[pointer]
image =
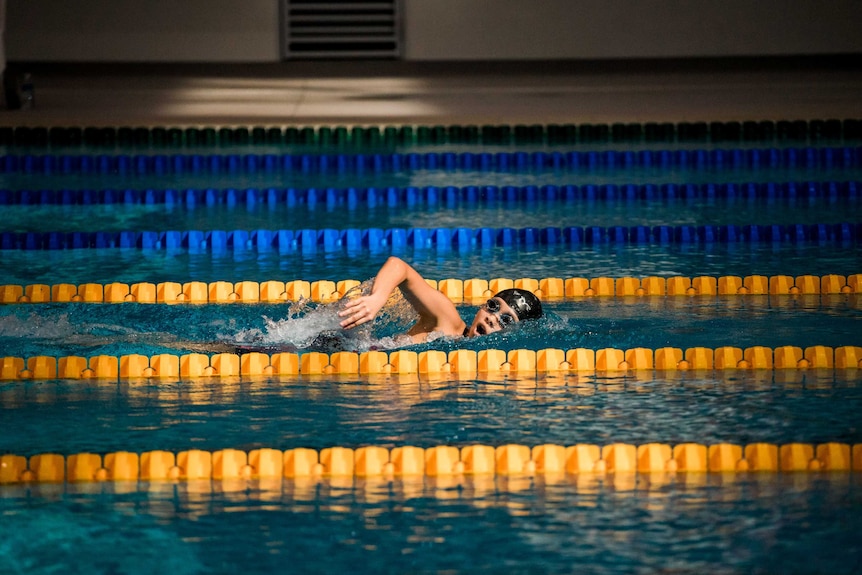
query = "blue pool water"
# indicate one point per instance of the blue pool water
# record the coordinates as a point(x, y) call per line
point(802, 523)
point(735, 407)
point(578, 211)
point(595, 323)
point(130, 266)
point(776, 523)
point(645, 523)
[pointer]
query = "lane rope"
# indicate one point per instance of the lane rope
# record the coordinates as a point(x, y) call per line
point(829, 129)
point(458, 290)
point(460, 239)
point(450, 196)
point(212, 164)
point(432, 364)
point(437, 461)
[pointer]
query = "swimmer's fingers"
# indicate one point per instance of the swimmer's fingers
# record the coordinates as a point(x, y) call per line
point(353, 311)
point(356, 315)
point(350, 306)
point(356, 320)
point(350, 322)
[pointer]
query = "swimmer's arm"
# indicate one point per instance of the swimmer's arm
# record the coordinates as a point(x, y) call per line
point(435, 309)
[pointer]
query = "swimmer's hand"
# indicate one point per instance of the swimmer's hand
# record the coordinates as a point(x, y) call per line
point(361, 310)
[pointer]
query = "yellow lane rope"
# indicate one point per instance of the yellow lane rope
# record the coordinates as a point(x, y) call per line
point(437, 461)
point(457, 290)
point(432, 364)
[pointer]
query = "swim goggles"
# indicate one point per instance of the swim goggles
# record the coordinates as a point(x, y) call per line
point(505, 319)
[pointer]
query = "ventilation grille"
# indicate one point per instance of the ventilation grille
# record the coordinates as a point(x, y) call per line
point(340, 29)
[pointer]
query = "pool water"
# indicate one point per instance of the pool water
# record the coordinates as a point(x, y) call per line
point(802, 523)
point(426, 177)
point(160, 217)
point(609, 260)
point(805, 522)
point(726, 523)
point(316, 412)
point(594, 323)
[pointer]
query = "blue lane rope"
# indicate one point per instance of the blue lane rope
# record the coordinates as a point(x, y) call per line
point(352, 198)
point(441, 239)
point(161, 164)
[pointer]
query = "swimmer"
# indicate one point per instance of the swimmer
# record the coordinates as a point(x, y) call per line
point(437, 313)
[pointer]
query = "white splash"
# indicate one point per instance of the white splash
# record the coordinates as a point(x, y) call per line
point(307, 323)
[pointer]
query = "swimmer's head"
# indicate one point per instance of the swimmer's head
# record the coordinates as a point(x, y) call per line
point(503, 310)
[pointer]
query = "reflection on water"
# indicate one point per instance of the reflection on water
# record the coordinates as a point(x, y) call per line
point(559, 260)
point(735, 406)
point(605, 524)
point(439, 214)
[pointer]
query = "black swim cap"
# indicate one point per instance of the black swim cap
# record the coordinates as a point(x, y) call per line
point(525, 303)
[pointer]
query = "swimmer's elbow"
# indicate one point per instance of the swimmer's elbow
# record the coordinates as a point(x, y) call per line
point(399, 269)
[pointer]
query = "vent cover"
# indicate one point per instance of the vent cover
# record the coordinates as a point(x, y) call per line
point(340, 29)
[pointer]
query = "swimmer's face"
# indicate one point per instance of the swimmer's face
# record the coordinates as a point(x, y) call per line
point(494, 315)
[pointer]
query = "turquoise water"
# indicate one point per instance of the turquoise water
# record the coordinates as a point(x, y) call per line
point(731, 524)
point(426, 177)
point(611, 260)
point(740, 523)
point(317, 412)
point(594, 323)
point(538, 214)
point(737, 523)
